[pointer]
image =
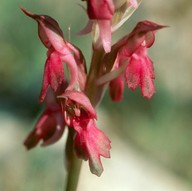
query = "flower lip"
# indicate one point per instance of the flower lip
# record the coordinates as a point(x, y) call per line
point(90, 144)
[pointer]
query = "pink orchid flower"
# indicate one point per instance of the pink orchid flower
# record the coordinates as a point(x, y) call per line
point(100, 12)
point(140, 72)
point(50, 126)
point(90, 142)
point(133, 53)
point(59, 51)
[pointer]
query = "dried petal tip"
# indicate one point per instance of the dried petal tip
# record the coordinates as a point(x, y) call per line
point(26, 12)
point(49, 31)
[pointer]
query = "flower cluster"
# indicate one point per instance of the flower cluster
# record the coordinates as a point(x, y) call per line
point(68, 101)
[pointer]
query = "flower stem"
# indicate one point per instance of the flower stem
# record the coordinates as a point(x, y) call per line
point(94, 94)
point(91, 88)
point(73, 164)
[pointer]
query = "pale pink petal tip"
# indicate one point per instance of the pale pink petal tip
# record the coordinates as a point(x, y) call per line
point(134, 3)
point(105, 34)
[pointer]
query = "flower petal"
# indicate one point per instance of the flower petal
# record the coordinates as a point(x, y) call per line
point(143, 32)
point(53, 74)
point(134, 3)
point(147, 84)
point(124, 9)
point(73, 70)
point(80, 98)
point(81, 65)
point(100, 9)
point(116, 89)
point(49, 32)
point(105, 34)
point(58, 131)
point(44, 129)
point(133, 73)
point(91, 143)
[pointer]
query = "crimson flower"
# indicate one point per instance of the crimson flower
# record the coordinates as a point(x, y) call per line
point(59, 51)
point(100, 12)
point(50, 125)
point(90, 143)
point(66, 103)
point(132, 52)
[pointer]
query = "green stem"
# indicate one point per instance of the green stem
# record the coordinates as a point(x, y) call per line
point(73, 164)
point(91, 88)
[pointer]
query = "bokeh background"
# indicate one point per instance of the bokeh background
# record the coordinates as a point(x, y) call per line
point(151, 140)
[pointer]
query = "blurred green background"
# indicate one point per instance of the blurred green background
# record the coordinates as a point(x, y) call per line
point(159, 129)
